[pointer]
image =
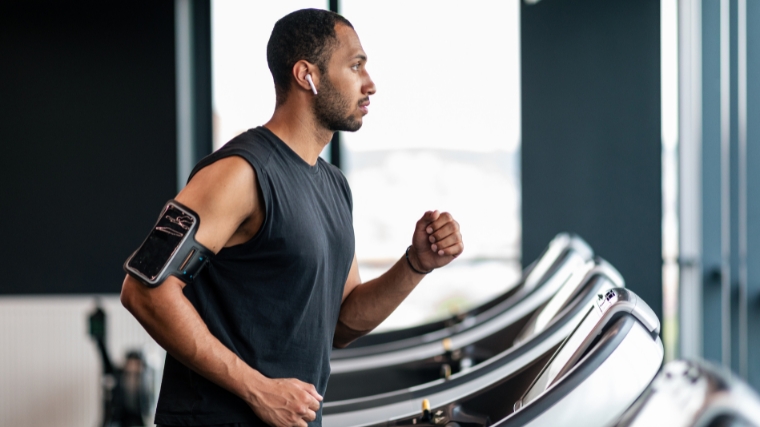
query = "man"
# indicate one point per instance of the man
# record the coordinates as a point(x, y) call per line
point(249, 340)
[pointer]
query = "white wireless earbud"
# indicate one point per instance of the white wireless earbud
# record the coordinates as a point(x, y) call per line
point(311, 83)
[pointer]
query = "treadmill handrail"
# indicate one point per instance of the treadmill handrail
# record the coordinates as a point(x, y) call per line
point(484, 374)
point(538, 272)
point(561, 244)
point(475, 333)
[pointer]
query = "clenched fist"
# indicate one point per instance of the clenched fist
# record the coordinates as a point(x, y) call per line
point(436, 241)
point(286, 402)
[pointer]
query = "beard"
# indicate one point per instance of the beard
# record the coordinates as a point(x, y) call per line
point(330, 108)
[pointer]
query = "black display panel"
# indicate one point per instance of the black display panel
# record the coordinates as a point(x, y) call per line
point(162, 242)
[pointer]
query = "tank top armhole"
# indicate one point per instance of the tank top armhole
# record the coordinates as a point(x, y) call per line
point(261, 179)
point(263, 189)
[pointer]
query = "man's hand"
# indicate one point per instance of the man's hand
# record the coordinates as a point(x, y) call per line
point(286, 402)
point(436, 241)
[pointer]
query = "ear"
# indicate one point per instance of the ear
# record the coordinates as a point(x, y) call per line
point(300, 70)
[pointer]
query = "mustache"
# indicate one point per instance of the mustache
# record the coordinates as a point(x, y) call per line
point(362, 101)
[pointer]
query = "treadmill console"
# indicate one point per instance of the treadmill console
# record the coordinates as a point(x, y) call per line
point(607, 308)
point(597, 269)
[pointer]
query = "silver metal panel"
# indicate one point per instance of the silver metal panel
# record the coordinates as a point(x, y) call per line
point(607, 307)
point(563, 242)
point(611, 388)
point(184, 66)
point(564, 295)
point(690, 394)
point(741, 403)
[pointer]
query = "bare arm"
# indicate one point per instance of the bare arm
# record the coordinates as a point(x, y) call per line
point(436, 242)
point(224, 196)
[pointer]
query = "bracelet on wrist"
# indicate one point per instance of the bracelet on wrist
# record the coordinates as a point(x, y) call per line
point(408, 261)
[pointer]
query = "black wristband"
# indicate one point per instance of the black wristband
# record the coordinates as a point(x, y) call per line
point(410, 263)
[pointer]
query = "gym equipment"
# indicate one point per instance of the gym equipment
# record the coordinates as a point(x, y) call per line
point(694, 394)
point(602, 367)
point(561, 256)
point(513, 365)
point(408, 362)
point(387, 372)
point(589, 379)
point(128, 395)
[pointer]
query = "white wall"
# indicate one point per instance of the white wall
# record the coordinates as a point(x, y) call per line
point(49, 366)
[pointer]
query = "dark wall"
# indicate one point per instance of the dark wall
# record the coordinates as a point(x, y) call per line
point(87, 127)
point(591, 133)
point(753, 192)
point(203, 140)
point(730, 294)
point(711, 180)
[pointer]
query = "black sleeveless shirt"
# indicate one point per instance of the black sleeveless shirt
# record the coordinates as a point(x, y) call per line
point(274, 300)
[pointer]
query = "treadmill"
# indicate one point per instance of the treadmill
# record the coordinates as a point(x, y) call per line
point(564, 252)
point(387, 372)
point(515, 365)
point(587, 380)
point(391, 366)
point(694, 394)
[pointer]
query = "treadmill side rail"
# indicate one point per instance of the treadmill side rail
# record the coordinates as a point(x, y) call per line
point(494, 322)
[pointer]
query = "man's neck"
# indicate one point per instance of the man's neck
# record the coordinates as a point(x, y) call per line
point(298, 129)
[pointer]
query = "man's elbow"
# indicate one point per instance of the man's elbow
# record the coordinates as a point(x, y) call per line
point(337, 343)
point(143, 301)
point(341, 343)
point(345, 334)
point(129, 294)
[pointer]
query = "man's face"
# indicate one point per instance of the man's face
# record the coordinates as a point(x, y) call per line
point(345, 89)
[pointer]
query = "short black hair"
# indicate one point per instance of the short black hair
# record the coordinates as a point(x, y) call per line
point(307, 34)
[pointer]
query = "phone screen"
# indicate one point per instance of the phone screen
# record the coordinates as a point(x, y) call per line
point(162, 242)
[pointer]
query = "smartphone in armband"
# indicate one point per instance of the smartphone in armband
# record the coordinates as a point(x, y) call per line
point(170, 249)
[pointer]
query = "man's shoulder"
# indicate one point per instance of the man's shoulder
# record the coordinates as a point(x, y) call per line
point(253, 146)
point(255, 141)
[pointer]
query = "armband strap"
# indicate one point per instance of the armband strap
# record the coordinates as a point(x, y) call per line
point(170, 249)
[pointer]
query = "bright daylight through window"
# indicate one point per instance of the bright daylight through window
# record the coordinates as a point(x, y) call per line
point(443, 132)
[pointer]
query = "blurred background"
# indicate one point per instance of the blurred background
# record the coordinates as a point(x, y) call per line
point(625, 122)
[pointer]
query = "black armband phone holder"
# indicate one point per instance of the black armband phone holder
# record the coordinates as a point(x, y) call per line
point(170, 249)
